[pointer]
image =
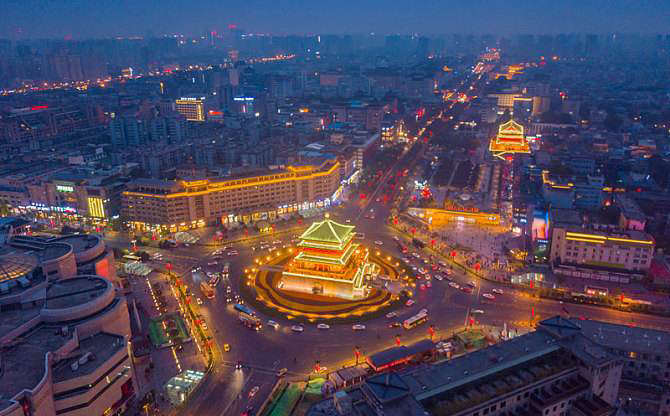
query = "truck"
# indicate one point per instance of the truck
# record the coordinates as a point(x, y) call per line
point(206, 290)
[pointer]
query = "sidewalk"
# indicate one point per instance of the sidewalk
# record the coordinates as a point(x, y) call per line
point(162, 363)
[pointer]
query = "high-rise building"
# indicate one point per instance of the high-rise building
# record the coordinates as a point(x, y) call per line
point(191, 107)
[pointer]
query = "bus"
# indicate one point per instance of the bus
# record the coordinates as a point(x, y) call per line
point(244, 309)
point(206, 290)
point(248, 317)
point(251, 322)
point(415, 320)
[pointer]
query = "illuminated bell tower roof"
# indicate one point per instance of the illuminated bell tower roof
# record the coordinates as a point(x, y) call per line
point(329, 231)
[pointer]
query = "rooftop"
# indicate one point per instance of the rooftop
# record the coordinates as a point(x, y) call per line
point(80, 242)
point(328, 231)
point(101, 346)
point(75, 291)
point(15, 264)
point(439, 378)
point(23, 360)
point(629, 338)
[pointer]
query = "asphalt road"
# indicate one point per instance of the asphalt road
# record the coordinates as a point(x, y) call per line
point(263, 353)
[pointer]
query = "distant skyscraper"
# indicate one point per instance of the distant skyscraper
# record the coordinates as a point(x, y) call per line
point(191, 107)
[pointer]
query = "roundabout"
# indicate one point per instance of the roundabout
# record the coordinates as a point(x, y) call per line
point(326, 277)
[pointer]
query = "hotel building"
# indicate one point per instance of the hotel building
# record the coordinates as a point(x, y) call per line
point(149, 204)
point(603, 255)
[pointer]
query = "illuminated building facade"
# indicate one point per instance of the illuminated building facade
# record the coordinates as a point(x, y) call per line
point(68, 195)
point(605, 255)
point(191, 107)
point(437, 217)
point(509, 140)
point(329, 262)
point(159, 205)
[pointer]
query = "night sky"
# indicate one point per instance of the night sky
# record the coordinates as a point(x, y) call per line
point(105, 18)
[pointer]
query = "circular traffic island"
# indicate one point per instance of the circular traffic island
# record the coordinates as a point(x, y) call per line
point(273, 291)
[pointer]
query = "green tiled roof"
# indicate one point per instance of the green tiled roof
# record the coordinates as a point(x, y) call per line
point(328, 230)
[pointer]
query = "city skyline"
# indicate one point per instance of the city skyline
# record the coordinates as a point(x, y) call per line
point(100, 19)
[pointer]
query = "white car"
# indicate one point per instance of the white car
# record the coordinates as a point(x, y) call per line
point(358, 327)
point(379, 242)
point(439, 277)
point(472, 284)
point(497, 291)
point(477, 312)
point(391, 315)
point(233, 253)
point(395, 238)
point(454, 285)
point(323, 326)
point(297, 328)
point(489, 296)
point(273, 324)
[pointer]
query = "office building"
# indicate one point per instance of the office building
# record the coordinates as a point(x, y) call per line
point(605, 255)
point(149, 204)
